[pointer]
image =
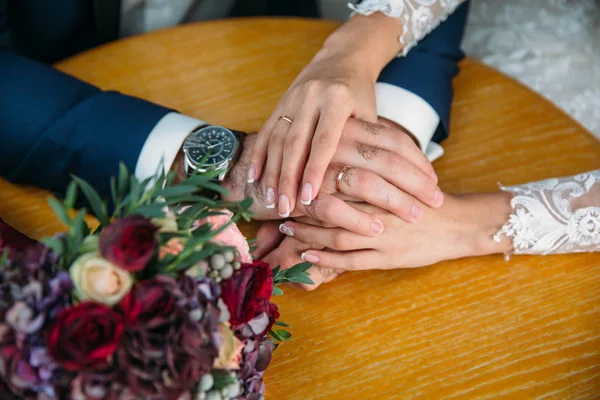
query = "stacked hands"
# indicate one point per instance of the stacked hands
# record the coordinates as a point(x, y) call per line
point(379, 206)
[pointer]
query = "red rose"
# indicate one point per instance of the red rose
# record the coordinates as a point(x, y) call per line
point(129, 242)
point(84, 336)
point(247, 294)
point(150, 303)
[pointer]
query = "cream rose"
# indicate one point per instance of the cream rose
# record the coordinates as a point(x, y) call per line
point(97, 279)
point(230, 353)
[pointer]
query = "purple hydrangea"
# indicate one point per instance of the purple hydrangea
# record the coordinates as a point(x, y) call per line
point(32, 293)
point(255, 360)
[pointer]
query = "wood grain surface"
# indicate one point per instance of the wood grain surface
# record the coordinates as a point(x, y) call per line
point(474, 328)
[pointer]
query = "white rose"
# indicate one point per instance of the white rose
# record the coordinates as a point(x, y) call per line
point(97, 279)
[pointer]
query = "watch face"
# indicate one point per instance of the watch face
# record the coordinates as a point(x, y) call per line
point(213, 144)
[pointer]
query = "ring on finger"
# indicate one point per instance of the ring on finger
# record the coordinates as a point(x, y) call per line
point(340, 176)
point(286, 119)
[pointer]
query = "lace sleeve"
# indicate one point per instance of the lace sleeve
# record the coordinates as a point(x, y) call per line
point(418, 17)
point(559, 215)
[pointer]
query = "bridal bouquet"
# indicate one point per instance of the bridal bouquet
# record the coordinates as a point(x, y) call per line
point(161, 301)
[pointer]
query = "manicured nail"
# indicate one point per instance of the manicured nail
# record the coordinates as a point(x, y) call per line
point(307, 193)
point(251, 174)
point(438, 197)
point(270, 198)
point(284, 206)
point(377, 227)
point(417, 212)
point(311, 258)
point(434, 176)
point(286, 230)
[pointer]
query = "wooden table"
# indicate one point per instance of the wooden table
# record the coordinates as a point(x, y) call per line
point(473, 328)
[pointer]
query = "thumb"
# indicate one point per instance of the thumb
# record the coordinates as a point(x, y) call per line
point(268, 238)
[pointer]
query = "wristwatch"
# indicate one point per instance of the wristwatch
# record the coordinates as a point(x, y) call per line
point(212, 146)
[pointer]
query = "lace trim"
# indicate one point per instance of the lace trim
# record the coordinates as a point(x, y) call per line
point(418, 17)
point(543, 221)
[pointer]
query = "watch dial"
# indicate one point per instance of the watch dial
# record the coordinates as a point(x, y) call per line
point(213, 144)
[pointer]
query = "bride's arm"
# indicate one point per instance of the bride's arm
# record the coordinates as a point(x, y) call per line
point(416, 17)
point(558, 215)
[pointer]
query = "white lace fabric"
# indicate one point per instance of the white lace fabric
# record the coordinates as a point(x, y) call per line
point(418, 17)
point(555, 216)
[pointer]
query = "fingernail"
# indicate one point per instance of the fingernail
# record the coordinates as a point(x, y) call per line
point(307, 193)
point(251, 174)
point(284, 206)
point(286, 230)
point(434, 176)
point(438, 197)
point(417, 212)
point(377, 227)
point(311, 258)
point(270, 198)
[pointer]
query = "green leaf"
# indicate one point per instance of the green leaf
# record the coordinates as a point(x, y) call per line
point(123, 180)
point(279, 323)
point(179, 190)
point(275, 335)
point(156, 210)
point(298, 269)
point(283, 334)
point(222, 379)
point(55, 244)
point(60, 210)
point(113, 190)
point(301, 279)
point(4, 258)
point(71, 195)
point(191, 199)
point(277, 291)
point(97, 206)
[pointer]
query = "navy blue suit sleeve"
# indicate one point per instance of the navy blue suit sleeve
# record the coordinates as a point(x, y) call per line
point(428, 69)
point(53, 125)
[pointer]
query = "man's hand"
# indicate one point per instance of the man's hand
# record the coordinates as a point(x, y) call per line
point(387, 165)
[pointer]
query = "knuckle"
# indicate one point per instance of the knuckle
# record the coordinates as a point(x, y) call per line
point(287, 181)
point(395, 162)
point(338, 90)
point(291, 142)
point(339, 241)
point(313, 87)
point(367, 151)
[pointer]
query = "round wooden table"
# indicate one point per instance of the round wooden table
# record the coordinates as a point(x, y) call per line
point(472, 328)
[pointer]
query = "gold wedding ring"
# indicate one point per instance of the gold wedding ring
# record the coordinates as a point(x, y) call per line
point(338, 180)
point(286, 119)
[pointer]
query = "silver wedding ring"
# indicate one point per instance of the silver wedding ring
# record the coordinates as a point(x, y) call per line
point(286, 119)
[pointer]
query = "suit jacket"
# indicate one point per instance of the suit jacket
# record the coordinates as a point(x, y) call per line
point(53, 125)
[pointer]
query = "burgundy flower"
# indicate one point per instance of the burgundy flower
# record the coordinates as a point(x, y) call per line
point(129, 243)
point(247, 295)
point(150, 303)
point(85, 336)
point(13, 240)
point(165, 360)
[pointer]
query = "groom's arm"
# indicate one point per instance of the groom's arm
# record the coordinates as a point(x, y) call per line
point(53, 125)
point(416, 91)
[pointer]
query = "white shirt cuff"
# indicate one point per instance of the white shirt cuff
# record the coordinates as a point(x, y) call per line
point(411, 112)
point(163, 143)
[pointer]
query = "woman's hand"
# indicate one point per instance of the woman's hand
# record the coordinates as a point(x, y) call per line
point(331, 89)
point(299, 139)
point(463, 227)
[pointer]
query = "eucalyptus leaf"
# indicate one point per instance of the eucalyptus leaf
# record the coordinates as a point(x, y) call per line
point(71, 195)
point(97, 206)
point(277, 291)
point(280, 323)
point(60, 210)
